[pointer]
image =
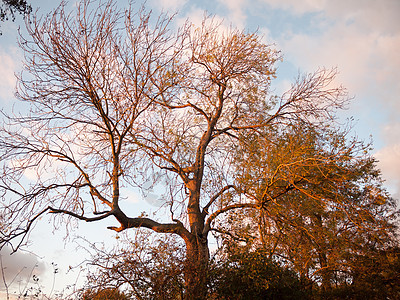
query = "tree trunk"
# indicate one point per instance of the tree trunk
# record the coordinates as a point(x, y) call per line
point(323, 259)
point(325, 273)
point(196, 268)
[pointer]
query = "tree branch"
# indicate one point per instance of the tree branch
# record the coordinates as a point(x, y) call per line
point(215, 197)
point(16, 233)
point(139, 222)
point(81, 217)
point(207, 226)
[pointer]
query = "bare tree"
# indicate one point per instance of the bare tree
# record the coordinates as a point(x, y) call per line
point(120, 99)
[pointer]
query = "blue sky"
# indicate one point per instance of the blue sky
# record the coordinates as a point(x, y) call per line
point(359, 37)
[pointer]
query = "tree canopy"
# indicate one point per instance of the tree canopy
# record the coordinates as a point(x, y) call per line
point(331, 207)
point(8, 9)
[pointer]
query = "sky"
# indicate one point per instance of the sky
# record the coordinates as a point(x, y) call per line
point(361, 38)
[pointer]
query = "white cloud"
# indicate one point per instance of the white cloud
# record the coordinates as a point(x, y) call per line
point(36, 168)
point(296, 6)
point(389, 157)
point(368, 15)
point(169, 5)
point(198, 17)
point(389, 163)
point(130, 196)
point(9, 63)
point(338, 47)
point(356, 38)
point(386, 71)
point(236, 14)
point(195, 16)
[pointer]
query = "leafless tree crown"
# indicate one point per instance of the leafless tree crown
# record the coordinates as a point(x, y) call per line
point(119, 99)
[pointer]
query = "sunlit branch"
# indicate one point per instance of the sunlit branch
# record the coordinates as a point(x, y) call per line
point(159, 153)
point(215, 197)
point(227, 208)
point(66, 158)
point(230, 234)
point(139, 222)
